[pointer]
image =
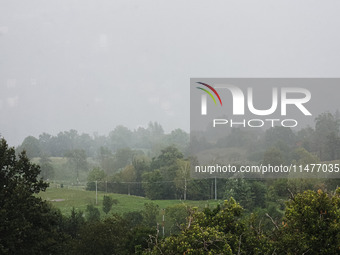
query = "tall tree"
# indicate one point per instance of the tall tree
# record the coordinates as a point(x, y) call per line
point(166, 164)
point(78, 159)
point(327, 136)
point(182, 177)
point(122, 158)
point(108, 203)
point(241, 190)
point(31, 146)
point(28, 225)
point(106, 159)
point(218, 231)
point(103, 237)
point(311, 224)
point(120, 138)
point(153, 185)
point(46, 167)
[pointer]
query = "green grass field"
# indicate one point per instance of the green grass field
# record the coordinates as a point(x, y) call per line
point(66, 198)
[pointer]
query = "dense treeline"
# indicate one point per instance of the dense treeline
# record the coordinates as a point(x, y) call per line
point(322, 141)
point(147, 162)
point(310, 223)
point(151, 139)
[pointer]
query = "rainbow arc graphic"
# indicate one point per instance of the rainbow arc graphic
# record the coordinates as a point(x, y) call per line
point(209, 93)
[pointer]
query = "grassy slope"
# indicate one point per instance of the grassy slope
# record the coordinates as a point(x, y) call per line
point(80, 198)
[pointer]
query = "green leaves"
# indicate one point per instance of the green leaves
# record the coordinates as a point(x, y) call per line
point(218, 231)
point(108, 203)
point(27, 224)
point(311, 222)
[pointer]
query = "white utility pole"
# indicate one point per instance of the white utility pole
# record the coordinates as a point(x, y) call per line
point(215, 188)
point(96, 192)
point(163, 222)
point(185, 189)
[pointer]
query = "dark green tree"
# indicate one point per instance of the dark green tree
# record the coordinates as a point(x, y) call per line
point(168, 157)
point(103, 237)
point(311, 224)
point(108, 202)
point(167, 165)
point(150, 213)
point(218, 231)
point(259, 192)
point(153, 185)
point(92, 213)
point(28, 225)
point(240, 190)
point(74, 222)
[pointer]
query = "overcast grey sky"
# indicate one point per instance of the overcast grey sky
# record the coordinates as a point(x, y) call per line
point(90, 65)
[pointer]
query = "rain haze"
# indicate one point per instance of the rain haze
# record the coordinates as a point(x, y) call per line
point(92, 65)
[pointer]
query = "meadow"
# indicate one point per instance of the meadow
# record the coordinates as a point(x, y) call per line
point(68, 197)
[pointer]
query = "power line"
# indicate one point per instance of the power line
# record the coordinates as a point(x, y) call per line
point(141, 182)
